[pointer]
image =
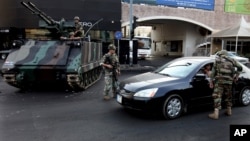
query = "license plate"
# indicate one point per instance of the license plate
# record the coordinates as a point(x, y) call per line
point(119, 99)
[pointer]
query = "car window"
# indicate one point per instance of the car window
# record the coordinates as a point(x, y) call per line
point(205, 67)
point(180, 68)
point(143, 44)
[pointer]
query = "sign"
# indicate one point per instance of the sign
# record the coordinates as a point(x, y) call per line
point(199, 4)
point(239, 132)
point(4, 30)
point(237, 6)
point(87, 24)
point(118, 35)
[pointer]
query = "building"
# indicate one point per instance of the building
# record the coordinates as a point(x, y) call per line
point(183, 28)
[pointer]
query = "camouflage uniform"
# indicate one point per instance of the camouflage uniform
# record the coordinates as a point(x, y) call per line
point(78, 28)
point(223, 74)
point(110, 79)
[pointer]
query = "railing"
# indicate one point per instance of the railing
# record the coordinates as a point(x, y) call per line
point(203, 40)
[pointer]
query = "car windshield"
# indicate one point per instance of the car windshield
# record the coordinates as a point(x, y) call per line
point(144, 42)
point(181, 68)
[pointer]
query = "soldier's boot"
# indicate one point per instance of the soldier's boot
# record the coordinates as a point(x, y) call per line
point(228, 112)
point(106, 97)
point(215, 114)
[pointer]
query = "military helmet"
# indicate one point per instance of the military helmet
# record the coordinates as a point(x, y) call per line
point(71, 33)
point(222, 52)
point(76, 18)
point(111, 46)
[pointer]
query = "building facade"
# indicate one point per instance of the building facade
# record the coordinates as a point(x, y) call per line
point(185, 31)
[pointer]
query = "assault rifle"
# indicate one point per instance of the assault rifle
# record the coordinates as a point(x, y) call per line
point(114, 67)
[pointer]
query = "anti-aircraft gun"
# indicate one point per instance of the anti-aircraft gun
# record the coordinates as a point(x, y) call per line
point(56, 28)
point(73, 63)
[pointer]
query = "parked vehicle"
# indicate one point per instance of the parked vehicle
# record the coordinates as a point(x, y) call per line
point(176, 87)
point(144, 47)
point(237, 57)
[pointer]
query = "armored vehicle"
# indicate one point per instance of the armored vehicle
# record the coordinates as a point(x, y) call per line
point(72, 63)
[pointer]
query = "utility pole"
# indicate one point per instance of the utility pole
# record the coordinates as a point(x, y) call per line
point(130, 31)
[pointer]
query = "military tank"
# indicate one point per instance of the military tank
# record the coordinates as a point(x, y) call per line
point(72, 63)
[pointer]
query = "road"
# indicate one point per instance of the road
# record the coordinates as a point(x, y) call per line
point(56, 115)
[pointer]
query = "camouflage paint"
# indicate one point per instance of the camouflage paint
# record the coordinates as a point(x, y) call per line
point(92, 53)
point(40, 61)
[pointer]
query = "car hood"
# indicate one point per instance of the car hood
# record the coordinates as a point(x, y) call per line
point(239, 58)
point(235, 57)
point(146, 80)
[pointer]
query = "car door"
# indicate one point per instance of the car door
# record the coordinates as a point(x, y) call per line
point(201, 92)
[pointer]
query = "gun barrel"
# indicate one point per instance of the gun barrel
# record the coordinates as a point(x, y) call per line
point(32, 7)
point(27, 6)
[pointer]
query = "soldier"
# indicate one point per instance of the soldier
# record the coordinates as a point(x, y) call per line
point(223, 74)
point(78, 33)
point(111, 65)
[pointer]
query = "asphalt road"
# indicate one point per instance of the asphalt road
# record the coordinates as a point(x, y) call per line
point(56, 115)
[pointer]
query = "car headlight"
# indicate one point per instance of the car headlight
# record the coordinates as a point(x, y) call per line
point(146, 93)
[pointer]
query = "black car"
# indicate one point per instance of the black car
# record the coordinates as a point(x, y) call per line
point(177, 86)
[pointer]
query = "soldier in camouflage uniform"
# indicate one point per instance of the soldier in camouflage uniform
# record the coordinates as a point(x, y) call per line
point(111, 65)
point(224, 72)
point(78, 33)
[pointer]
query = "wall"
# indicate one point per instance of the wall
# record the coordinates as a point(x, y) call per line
point(162, 35)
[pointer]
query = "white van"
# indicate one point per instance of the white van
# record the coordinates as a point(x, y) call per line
point(144, 47)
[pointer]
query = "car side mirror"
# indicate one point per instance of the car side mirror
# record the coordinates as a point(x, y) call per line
point(199, 77)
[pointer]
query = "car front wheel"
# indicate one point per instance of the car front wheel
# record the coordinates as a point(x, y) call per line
point(245, 96)
point(172, 107)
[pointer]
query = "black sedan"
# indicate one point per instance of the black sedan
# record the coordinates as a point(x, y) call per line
point(176, 87)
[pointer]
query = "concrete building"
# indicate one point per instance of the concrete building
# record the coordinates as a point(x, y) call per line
point(185, 31)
